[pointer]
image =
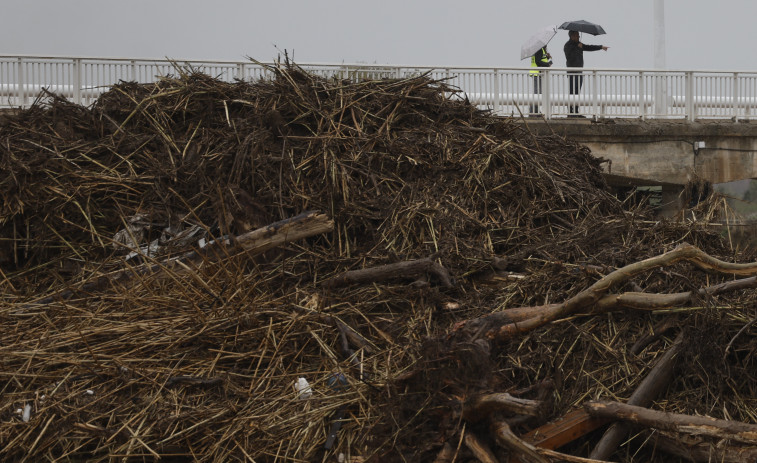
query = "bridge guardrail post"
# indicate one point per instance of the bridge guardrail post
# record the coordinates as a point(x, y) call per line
point(546, 94)
point(690, 108)
point(595, 94)
point(735, 96)
point(77, 81)
point(658, 96)
point(21, 87)
point(497, 95)
point(642, 96)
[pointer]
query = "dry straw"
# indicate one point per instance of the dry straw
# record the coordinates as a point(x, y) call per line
point(197, 357)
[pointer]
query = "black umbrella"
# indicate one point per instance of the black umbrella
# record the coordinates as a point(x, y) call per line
point(583, 26)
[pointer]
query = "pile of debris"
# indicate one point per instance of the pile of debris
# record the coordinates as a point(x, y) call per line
point(302, 268)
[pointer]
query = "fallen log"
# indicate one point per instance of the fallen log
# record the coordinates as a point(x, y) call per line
point(647, 301)
point(657, 379)
point(658, 330)
point(479, 448)
point(688, 424)
point(566, 429)
point(407, 269)
point(503, 325)
point(704, 452)
point(482, 406)
point(524, 451)
point(612, 302)
point(254, 242)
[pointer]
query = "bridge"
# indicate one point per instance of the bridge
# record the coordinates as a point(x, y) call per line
point(673, 152)
point(659, 127)
point(606, 93)
point(666, 154)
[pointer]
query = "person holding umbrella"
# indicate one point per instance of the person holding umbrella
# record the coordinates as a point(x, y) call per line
point(574, 55)
point(540, 59)
point(536, 48)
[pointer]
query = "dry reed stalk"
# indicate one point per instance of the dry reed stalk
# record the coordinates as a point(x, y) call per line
point(202, 364)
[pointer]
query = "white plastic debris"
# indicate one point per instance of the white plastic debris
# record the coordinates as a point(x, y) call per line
point(304, 391)
point(129, 237)
point(89, 392)
point(27, 413)
point(451, 306)
point(149, 250)
point(340, 458)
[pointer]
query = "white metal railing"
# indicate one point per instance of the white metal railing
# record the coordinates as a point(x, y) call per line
point(611, 93)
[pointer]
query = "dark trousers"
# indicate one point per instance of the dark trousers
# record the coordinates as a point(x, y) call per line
point(534, 108)
point(575, 82)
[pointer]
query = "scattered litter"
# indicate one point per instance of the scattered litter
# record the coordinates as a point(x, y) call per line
point(304, 391)
point(406, 174)
point(336, 381)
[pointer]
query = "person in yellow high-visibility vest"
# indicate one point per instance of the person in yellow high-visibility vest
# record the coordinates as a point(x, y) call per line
point(540, 59)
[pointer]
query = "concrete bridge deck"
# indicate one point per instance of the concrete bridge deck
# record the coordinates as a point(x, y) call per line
point(658, 152)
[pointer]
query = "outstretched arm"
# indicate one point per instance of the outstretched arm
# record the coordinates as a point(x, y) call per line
point(593, 47)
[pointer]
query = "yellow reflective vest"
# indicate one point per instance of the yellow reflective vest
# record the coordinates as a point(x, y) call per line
point(544, 60)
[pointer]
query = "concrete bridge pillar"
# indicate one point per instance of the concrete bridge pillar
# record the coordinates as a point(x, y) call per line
point(672, 152)
point(671, 202)
point(664, 155)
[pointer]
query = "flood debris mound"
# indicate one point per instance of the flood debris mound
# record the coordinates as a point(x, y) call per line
point(316, 269)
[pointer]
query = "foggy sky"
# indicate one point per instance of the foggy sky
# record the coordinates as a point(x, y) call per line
point(700, 34)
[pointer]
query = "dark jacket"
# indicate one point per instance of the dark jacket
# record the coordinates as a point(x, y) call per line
point(574, 56)
point(541, 58)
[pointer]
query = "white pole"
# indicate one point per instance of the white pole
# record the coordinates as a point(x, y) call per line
point(661, 86)
point(659, 34)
